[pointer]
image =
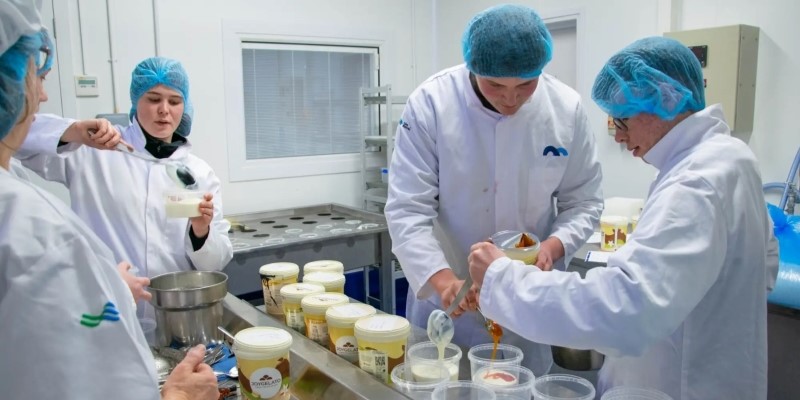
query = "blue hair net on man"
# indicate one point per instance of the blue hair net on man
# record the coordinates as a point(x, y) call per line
point(13, 69)
point(655, 75)
point(507, 41)
point(156, 71)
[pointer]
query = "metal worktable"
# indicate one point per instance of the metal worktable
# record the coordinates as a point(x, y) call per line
point(357, 238)
point(333, 376)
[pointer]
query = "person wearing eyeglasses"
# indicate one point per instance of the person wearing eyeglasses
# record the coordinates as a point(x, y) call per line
point(682, 307)
point(493, 144)
point(68, 321)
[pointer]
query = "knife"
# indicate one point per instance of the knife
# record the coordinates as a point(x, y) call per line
point(460, 295)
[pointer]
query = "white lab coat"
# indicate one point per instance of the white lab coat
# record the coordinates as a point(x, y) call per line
point(461, 172)
point(54, 270)
point(122, 199)
point(682, 307)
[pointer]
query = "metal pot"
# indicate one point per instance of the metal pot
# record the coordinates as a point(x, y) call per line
point(188, 307)
point(577, 360)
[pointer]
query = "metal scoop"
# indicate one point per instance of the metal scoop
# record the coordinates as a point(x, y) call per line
point(177, 171)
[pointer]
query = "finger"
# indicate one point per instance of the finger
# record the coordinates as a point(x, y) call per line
point(194, 357)
point(146, 296)
point(203, 368)
point(145, 281)
point(208, 196)
point(126, 144)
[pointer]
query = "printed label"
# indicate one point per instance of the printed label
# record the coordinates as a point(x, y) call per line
point(295, 320)
point(318, 331)
point(375, 362)
point(347, 348)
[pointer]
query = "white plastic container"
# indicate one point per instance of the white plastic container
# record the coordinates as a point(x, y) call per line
point(324, 266)
point(292, 294)
point(381, 343)
point(332, 282)
point(182, 203)
point(462, 390)
point(385, 175)
point(481, 356)
point(314, 308)
point(262, 356)
point(424, 352)
point(275, 276)
point(562, 387)
point(613, 232)
point(406, 383)
point(341, 328)
point(511, 382)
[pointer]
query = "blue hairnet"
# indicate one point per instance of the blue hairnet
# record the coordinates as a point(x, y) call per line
point(13, 70)
point(507, 41)
point(655, 75)
point(156, 71)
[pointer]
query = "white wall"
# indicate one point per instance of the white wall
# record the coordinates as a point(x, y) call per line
point(607, 26)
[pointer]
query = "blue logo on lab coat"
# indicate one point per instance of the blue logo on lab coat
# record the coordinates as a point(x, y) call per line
point(404, 124)
point(556, 151)
point(109, 313)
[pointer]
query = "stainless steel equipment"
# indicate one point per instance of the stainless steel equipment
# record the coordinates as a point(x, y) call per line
point(577, 360)
point(188, 307)
point(355, 237)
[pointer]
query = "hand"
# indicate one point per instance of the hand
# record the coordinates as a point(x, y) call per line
point(481, 256)
point(136, 284)
point(202, 225)
point(550, 250)
point(447, 285)
point(191, 379)
point(96, 133)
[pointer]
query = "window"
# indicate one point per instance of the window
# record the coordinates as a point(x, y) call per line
point(292, 94)
point(303, 100)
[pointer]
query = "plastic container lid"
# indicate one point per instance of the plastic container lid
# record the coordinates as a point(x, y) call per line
point(346, 315)
point(328, 279)
point(262, 339)
point(324, 266)
point(382, 328)
point(614, 220)
point(297, 291)
point(280, 270)
point(317, 304)
point(632, 393)
point(562, 387)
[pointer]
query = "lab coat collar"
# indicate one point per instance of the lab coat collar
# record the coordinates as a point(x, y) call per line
point(135, 137)
point(688, 133)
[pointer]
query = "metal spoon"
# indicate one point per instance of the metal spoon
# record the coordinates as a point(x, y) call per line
point(177, 171)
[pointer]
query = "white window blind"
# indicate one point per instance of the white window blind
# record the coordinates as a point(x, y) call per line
point(303, 100)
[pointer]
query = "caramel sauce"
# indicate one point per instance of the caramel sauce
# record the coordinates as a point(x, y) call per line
point(497, 333)
point(525, 241)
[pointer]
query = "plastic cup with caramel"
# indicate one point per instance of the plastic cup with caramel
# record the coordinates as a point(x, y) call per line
point(522, 246)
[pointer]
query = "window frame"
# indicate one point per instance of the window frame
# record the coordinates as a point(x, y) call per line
point(235, 35)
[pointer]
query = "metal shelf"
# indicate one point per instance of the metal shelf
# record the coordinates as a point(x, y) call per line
point(377, 132)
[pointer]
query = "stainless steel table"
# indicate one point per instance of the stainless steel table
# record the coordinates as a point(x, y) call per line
point(357, 238)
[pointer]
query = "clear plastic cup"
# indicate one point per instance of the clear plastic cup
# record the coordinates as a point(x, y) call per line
point(182, 203)
point(462, 390)
point(509, 382)
point(562, 387)
point(428, 352)
point(631, 393)
point(481, 356)
point(405, 382)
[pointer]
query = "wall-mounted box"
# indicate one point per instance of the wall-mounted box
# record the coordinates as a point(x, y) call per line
point(730, 57)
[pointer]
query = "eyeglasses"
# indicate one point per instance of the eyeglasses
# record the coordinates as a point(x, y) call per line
point(44, 60)
point(620, 123)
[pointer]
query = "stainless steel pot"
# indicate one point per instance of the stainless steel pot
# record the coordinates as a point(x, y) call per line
point(577, 360)
point(188, 307)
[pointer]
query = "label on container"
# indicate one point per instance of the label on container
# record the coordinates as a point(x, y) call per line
point(375, 362)
point(351, 310)
point(295, 320)
point(317, 331)
point(347, 348)
point(266, 382)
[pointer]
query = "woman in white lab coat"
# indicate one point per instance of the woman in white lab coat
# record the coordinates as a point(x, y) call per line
point(122, 198)
point(484, 147)
point(69, 321)
point(681, 307)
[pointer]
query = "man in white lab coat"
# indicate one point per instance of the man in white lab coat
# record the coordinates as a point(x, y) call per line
point(488, 146)
point(122, 198)
point(682, 307)
point(68, 320)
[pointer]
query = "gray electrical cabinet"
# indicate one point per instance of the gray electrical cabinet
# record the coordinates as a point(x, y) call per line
point(729, 56)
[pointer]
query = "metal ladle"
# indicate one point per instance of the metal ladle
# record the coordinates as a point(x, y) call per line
point(177, 171)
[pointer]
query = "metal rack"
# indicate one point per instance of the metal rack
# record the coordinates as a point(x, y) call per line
point(377, 132)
